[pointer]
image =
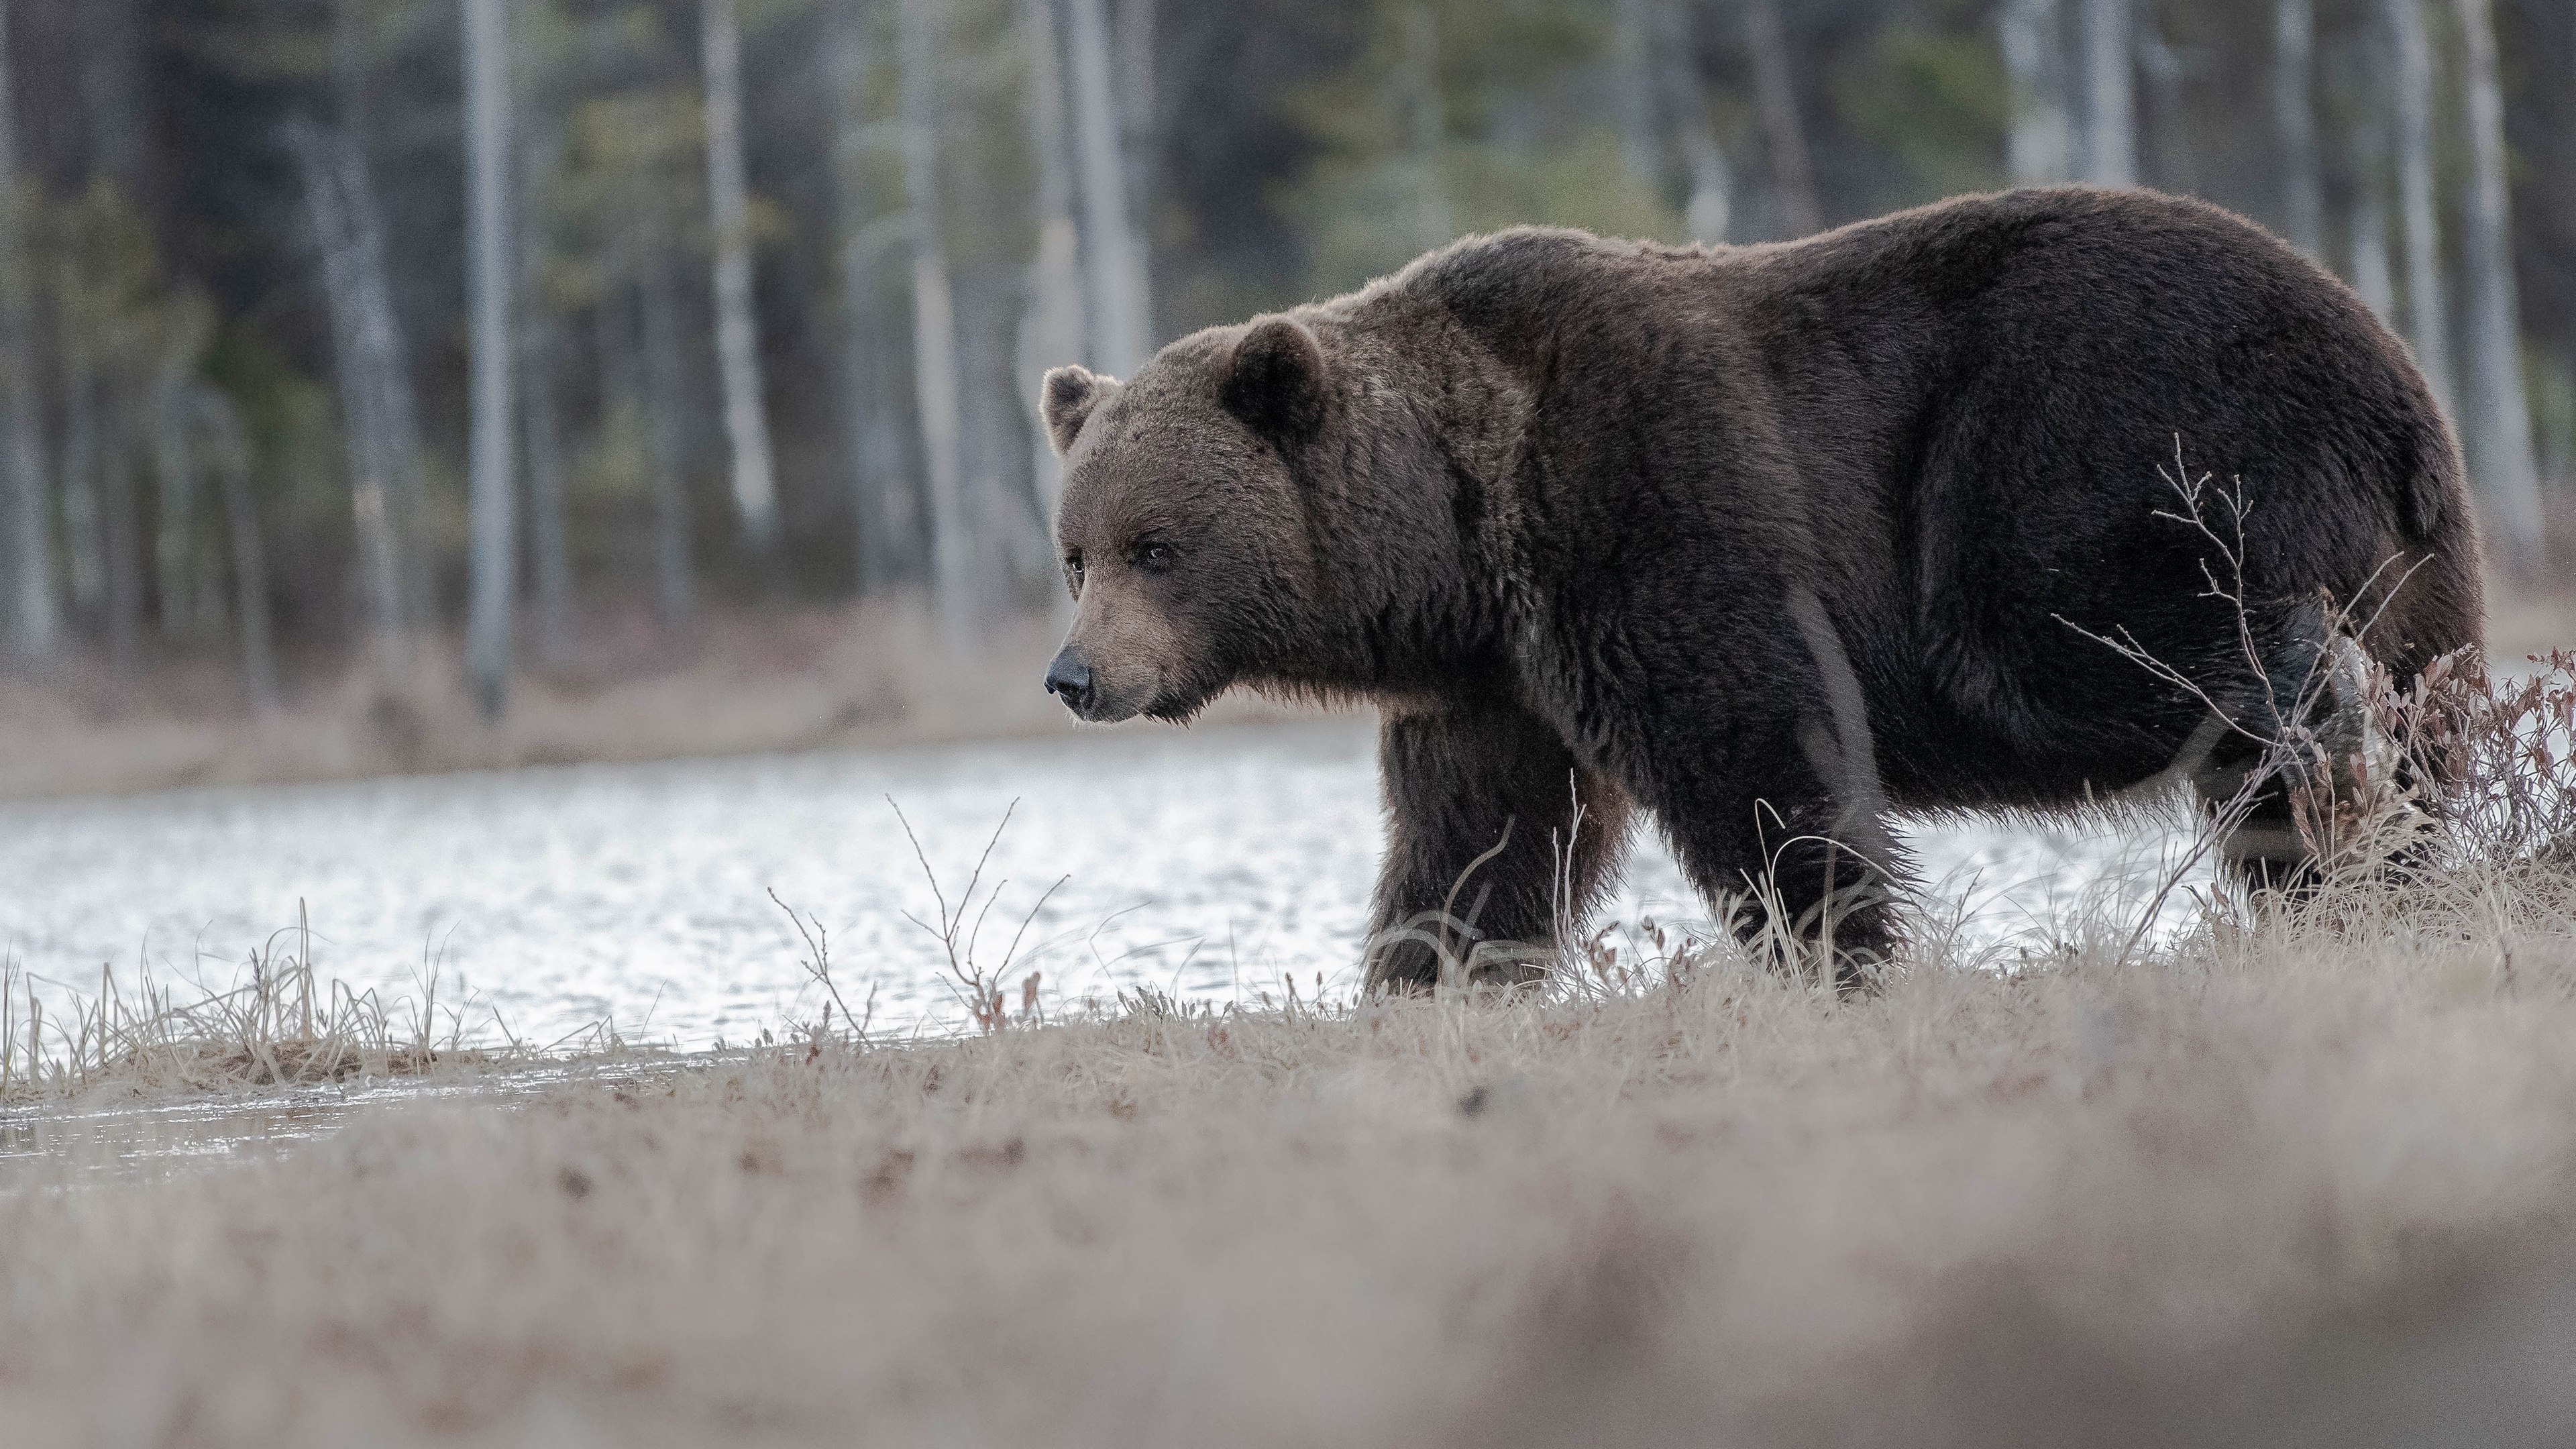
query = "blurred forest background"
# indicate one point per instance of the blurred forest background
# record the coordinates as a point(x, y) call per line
point(434, 371)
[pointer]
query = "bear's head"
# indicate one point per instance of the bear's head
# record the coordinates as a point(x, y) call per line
point(1182, 531)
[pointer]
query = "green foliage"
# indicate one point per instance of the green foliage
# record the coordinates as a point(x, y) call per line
point(111, 300)
point(986, 173)
point(1498, 62)
point(1520, 137)
point(291, 418)
point(1936, 104)
point(632, 187)
point(1361, 206)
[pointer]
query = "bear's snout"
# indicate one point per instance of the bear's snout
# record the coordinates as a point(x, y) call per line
point(1070, 680)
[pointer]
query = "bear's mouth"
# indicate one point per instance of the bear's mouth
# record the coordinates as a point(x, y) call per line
point(1179, 705)
point(1159, 704)
point(1174, 711)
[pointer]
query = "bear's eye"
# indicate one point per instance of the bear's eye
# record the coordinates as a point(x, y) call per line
point(1153, 555)
point(1073, 571)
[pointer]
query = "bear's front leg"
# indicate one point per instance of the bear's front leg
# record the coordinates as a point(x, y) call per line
point(1484, 849)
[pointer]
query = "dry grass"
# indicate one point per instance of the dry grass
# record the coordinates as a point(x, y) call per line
point(278, 1023)
point(2306, 1174)
point(2282, 1182)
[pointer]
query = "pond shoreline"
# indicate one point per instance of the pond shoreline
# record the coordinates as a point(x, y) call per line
point(2241, 1189)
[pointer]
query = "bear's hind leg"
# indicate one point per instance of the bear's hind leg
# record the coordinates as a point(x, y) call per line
point(1485, 859)
point(1805, 879)
point(1783, 820)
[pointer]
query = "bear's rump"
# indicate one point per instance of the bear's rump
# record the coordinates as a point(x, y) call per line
point(2051, 555)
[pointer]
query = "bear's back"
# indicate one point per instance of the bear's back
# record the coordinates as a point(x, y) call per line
point(1952, 422)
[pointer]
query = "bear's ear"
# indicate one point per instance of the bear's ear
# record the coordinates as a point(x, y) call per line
point(1275, 380)
point(1068, 398)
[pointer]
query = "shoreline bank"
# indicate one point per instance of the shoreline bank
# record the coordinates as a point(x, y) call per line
point(2239, 1190)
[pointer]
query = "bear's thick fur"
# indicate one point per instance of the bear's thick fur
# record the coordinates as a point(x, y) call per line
point(1768, 542)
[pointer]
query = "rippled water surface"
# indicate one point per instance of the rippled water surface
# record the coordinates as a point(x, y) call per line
point(1203, 863)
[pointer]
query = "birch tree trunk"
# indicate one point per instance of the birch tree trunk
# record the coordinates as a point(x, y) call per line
point(1119, 337)
point(549, 544)
point(2294, 119)
point(746, 414)
point(110, 59)
point(2429, 325)
point(539, 340)
point(120, 545)
point(86, 553)
point(1051, 331)
point(2110, 95)
point(549, 541)
point(2032, 34)
point(2498, 413)
point(934, 322)
point(1426, 125)
point(1140, 146)
point(229, 459)
point(95, 519)
point(2166, 157)
point(174, 466)
point(881, 497)
point(1001, 503)
point(2372, 279)
point(2366, 72)
point(1632, 98)
point(382, 356)
point(492, 492)
point(33, 613)
point(385, 360)
point(658, 307)
point(1707, 210)
point(1793, 172)
point(375, 396)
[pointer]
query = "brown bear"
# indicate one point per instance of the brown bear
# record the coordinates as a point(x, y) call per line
point(1769, 542)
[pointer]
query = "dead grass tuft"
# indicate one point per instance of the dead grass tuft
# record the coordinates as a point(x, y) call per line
point(278, 1023)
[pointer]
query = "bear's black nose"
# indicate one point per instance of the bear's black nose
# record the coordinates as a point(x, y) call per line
point(1069, 679)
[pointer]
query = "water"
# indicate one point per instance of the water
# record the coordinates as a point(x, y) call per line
point(1206, 864)
point(82, 1144)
